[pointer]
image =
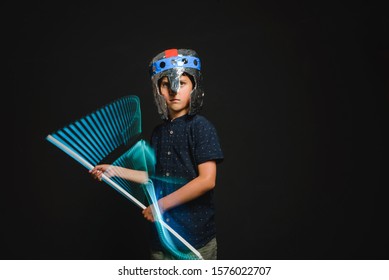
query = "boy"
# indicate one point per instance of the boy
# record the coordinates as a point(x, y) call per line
point(187, 147)
point(187, 151)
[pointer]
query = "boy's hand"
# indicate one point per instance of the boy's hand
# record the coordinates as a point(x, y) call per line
point(148, 212)
point(98, 171)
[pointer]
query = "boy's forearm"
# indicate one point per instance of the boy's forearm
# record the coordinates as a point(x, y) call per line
point(137, 176)
point(132, 175)
point(188, 192)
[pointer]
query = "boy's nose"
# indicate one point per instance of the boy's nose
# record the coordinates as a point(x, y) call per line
point(172, 92)
point(174, 86)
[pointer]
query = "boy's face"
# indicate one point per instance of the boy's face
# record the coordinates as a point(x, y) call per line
point(177, 102)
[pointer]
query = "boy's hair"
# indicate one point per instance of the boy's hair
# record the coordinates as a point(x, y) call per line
point(173, 63)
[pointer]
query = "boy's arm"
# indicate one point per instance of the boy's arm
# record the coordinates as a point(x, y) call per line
point(133, 175)
point(193, 189)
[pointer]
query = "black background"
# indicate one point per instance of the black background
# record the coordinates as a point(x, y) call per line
point(298, 93)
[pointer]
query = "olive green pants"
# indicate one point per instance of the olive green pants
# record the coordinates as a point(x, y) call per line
point(208, 252)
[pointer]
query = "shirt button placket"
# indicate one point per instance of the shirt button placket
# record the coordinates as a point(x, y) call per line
point(167, 174)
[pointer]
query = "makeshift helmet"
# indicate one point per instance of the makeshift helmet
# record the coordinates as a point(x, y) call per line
point(173, 63)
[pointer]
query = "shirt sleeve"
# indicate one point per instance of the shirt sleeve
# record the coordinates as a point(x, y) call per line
point(207, 145)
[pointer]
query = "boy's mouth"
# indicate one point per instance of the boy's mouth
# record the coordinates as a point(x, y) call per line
point(174, 99)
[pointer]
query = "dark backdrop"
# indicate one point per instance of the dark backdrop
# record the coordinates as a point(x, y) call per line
point(298, 93)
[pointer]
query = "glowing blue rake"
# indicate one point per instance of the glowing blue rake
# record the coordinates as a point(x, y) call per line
point(92, 138)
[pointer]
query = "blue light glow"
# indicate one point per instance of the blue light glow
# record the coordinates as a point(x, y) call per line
point(89, 141)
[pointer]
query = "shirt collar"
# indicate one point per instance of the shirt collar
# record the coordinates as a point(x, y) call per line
point(179, 119)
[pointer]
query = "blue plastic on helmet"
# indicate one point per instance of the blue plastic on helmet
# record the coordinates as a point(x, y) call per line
point(174, 62)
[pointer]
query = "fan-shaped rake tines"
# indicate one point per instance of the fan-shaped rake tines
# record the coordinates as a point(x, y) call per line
point(96, 135)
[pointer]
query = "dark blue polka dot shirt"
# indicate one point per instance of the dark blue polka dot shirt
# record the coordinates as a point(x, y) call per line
point(180, 146)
